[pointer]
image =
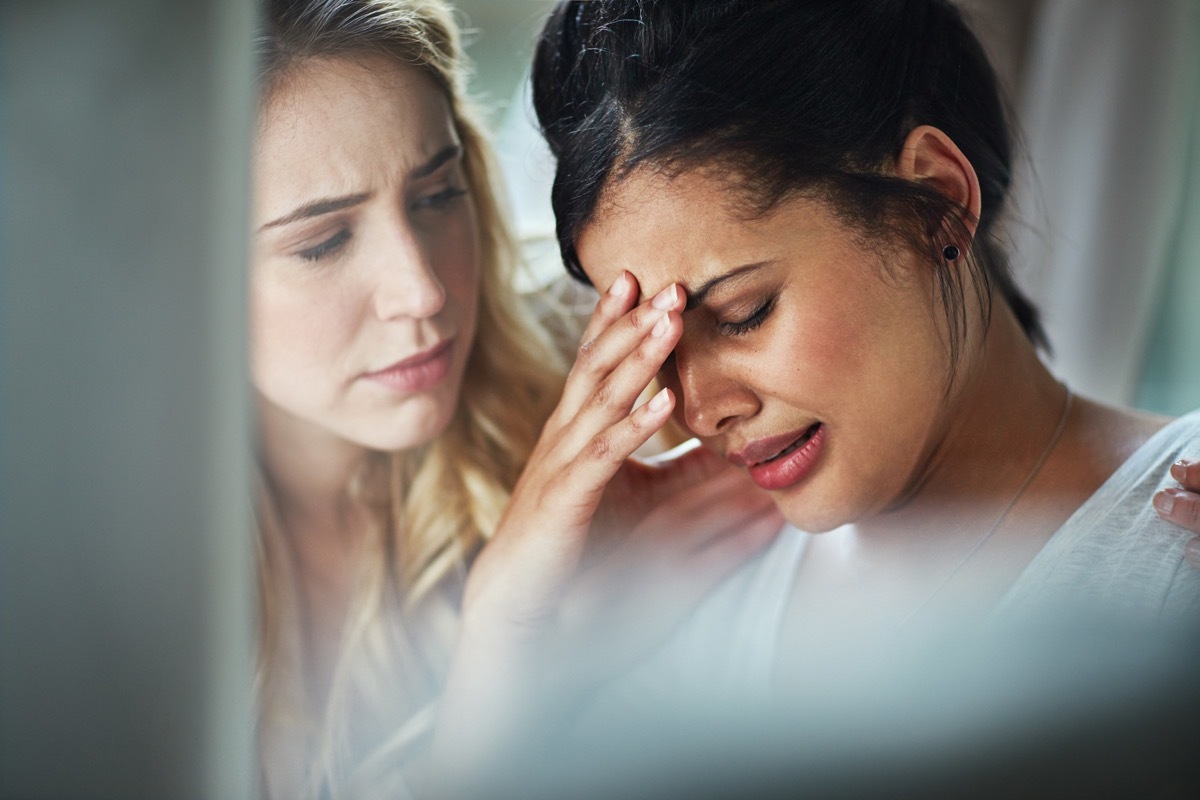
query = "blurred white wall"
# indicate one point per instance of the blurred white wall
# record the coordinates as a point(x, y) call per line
point(1106, 209)
point(125, 560)
point(500, 35)
point(1106, 99)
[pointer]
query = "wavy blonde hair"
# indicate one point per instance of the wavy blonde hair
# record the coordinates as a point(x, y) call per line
point(435, 505)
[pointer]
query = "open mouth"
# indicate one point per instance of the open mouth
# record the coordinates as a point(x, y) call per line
point(790, 465)
point(796, 445)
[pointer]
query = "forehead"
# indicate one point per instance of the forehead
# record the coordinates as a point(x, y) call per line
point(688, 228)
point(341, 124)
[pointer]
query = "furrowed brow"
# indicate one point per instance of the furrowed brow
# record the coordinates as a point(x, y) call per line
point(448, 153)
point(316, 208)
point(328, 205)
point(697, 296)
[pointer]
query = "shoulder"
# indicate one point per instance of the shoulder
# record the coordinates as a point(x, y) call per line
point(1154, 442)
point(1115, 550)
point(1109, 436)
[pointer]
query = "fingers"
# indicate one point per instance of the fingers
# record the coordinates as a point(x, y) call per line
point(1181, 505)
point(619, 357)
point(594, 430)
point(1187, 472)
point(607, 450)
point(619, 298)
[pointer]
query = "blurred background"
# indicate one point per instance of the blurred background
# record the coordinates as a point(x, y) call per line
point(1104, 224)
point(126, 576)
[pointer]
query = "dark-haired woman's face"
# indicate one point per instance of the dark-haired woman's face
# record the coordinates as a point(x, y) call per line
point(807, 357)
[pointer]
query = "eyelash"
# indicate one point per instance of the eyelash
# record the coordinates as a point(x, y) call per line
point(325, 248)
point(750, 323)
point(440, 200)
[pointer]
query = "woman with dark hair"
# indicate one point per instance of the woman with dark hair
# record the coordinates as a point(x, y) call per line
point(401, 389)
point(822, 180)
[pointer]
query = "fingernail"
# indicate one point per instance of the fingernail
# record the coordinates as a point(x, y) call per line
point(620, 286)
point(1164, 503)
point(659, 401)
point(1191, 551)
point(1179, 469)
point(660, 328)
point(664, 299)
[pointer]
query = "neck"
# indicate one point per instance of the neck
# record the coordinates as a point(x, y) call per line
point(1001, 417)
point(308, 472)
point(308, 469)
point(956, 541)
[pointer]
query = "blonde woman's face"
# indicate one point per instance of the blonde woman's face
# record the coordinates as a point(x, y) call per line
point(366, 254)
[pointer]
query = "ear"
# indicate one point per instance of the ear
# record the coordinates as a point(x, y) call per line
point(931, 157)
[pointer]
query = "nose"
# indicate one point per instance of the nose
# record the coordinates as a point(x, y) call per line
point(714, 399)
point(406, 282)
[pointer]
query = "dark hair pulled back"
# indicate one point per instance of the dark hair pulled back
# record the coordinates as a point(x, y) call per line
point(791, 97)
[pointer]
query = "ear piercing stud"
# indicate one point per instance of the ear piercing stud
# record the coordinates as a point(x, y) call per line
point(950, 252)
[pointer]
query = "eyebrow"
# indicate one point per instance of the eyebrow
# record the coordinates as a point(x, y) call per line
point(447, 153)
point(696, 296)
point(328, 205)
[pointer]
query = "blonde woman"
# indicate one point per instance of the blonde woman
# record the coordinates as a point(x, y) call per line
point(400, 390)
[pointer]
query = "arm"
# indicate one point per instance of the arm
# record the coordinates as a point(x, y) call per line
point(597, 557)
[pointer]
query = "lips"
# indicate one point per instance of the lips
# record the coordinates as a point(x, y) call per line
point(780, 462)
point(416, 373)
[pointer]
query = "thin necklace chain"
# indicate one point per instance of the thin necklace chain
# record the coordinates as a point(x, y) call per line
point(1012, 501)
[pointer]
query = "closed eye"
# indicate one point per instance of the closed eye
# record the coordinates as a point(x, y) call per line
point(327, 247)
point(439, 201)
point(756, 319)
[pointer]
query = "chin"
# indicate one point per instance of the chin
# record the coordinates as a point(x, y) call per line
point(409, 430)
point(810, 523)
point(813, 513)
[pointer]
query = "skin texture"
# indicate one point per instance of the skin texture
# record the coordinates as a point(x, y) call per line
point(593, 552)
point(922, 456)
point(813, 300)
point(333, 296)
point(353, 291)
point(609, 553)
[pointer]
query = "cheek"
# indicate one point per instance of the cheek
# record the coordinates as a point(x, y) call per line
point(817, 353)
point(863, 342)
point(463, 300)
point(824, 346)
point(459, 259)
point(294, 333)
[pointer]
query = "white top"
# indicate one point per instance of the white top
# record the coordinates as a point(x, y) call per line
point(1113, 550)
